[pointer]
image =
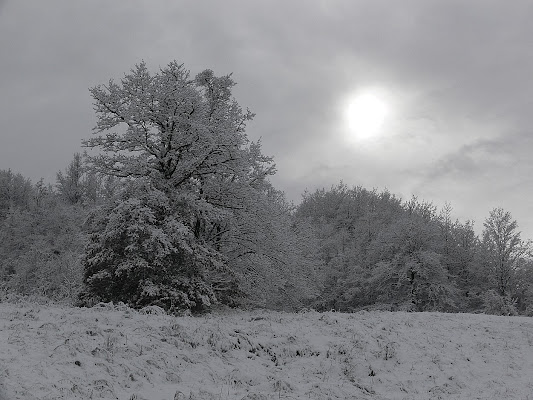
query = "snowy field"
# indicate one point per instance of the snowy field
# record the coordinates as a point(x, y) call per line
point(112, 352)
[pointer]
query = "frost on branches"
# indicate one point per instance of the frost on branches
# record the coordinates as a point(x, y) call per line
point(177, 234)
point(187, 133)
point(140, 252)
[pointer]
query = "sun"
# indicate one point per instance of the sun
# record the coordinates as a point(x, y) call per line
point(365, 114)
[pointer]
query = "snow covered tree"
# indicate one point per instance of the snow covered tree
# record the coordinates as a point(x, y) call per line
point(92, 188)
point(78, 184)
point(184, 141)
point(522, 287)
point(276, 263)
point(504, 248)
point(41, 249)
point(15, 191)
point(409, 268)
point(180, 131)
point(141, 252)
point(346, 221)
point(70, 183)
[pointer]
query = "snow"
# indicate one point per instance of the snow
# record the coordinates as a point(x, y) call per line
point(113, 352)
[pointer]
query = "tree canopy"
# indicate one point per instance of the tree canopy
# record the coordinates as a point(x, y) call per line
point(199, 196)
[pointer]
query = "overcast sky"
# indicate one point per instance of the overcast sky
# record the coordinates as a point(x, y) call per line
point(457, 77)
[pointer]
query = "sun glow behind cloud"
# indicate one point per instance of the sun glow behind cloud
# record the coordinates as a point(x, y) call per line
point(365, 114)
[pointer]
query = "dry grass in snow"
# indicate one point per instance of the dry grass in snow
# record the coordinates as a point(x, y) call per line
point(112, 352)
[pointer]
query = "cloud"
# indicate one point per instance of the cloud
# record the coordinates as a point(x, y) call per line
point(483, 175)
point(502, 159)
point(457, 72)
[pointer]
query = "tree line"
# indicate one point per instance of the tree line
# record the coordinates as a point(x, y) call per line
point(381, 252)
point(171, 205)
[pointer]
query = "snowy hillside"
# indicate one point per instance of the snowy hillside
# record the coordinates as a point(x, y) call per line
point(112, 352)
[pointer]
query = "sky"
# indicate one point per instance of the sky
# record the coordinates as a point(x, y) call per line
point(456, 78)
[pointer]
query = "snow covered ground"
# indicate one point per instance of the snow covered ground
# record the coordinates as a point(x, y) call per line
point(112, 352)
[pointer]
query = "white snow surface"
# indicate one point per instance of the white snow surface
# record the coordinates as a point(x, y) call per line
point(113, 352)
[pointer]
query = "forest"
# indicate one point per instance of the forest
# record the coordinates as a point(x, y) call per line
point(170, 205)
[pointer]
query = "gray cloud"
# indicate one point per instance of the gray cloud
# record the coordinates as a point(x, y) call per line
point(484, 175)
point(458, 72)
